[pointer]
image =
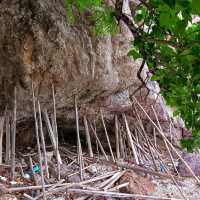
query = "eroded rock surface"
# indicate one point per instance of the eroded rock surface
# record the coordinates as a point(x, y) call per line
point(193, 160)
point(38, 46)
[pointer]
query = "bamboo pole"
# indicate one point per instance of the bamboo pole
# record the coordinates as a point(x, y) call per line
point(98, 141)
point(13, 136)
point(38, 143)
point(88, 137)
point(145, 136)
point(55, 128)
point(8, 146)
point(131, 140)
point(2, 119)
point(122, 152)
point(43, 140)
point(117, 194)
point(172, 147)
point(117, 137)
point(80, 154)
point(166, 145)
point(107, 137)
point(51, 133)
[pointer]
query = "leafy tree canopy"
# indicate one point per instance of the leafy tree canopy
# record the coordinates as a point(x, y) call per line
point(167, 39)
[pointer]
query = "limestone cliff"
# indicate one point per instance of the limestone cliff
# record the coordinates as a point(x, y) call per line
point(38, 46)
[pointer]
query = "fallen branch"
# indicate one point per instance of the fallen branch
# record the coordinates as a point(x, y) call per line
point(117, 194)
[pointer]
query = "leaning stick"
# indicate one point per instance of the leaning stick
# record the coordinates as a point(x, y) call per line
point(38, 143)
point(56, 130)
point(98, 141)
point(7, 139)
point(145, 136)
point(117, 194)
point(2, 119)
point(51, 133)
point(49, 128)
point(154, 136)
point(117, 137)
point(28, 196)
point(122, 152)
point(115, 179)
point(123, 185)
point(43, 141)
point(106, 182)
point(14, 136)
point(88, 137)
point(107, 137)
point(80, 155)
point(166, 145)
point(130, 139)
point(170, 144)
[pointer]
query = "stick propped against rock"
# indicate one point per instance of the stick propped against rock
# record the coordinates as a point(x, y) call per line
point(38, 143)
point(168, 142)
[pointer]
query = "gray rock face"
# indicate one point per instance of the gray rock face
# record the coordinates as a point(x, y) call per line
point(193, 160)
point(38, 46)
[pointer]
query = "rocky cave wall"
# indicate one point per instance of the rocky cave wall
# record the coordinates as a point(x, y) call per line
point(38, 46)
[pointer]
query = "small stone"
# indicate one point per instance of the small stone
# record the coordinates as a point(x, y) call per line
point(2, 178)
point(13, 182)
point(27, 176)
point(193, 160)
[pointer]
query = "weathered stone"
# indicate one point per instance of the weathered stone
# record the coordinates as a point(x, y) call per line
point(193, 160)
point(38, 46)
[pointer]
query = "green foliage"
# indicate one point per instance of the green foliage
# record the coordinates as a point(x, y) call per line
point(103, 17)
point(172, 48)
point(169, 42)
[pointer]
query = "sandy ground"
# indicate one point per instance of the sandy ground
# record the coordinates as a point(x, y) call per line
point(189, 188)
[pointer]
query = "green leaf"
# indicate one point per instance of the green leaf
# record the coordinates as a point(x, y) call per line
point(154, 78)
point(134, 54)
point(181, 27)
point(195, 5)
point(170, 3)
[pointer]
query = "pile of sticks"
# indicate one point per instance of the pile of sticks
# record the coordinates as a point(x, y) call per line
point(135, 145)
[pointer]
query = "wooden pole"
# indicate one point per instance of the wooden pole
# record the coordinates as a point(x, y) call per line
point(107, 137)
point(117, 137)
point(55, 128)
point(38, 144)
point(170, 144)
point(98, 141)
point(2, 119)
point(8, 146)
point(166, 145)
point(80, 155)
point(43, 141)
point(51, 134)
point(14, 136)
point(147, 141)
point(88, 137)
point(130, 140)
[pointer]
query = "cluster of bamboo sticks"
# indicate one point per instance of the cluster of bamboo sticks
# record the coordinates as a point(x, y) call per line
point(134, 144)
